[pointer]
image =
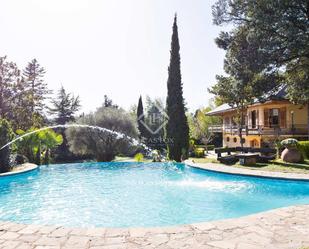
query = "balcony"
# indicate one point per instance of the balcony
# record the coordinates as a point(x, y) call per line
point(297, 129)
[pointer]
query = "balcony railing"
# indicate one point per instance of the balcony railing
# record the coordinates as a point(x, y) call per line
point(297, 129)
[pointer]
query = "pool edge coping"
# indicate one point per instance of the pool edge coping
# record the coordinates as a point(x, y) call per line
point(259, 229)
point(220, 168)
point(30, 167)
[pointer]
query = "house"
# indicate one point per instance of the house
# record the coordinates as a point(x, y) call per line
point(264, 122)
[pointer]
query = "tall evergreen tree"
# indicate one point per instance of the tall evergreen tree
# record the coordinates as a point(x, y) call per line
point(141, 119)
point(37, 88)
point(177, 130)
point(9, 75)
point(64, 108)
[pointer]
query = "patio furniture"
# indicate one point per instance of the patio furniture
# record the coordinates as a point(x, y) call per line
point(247, 158)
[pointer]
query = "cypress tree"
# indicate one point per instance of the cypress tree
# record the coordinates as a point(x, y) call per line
point(141, 118)
point(177, 130)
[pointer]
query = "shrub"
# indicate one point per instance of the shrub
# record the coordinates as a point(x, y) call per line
point(199, 152)
point(304, 148)
point(6, 135)
point(139, 157)
point(103, 145)
point(289, 143)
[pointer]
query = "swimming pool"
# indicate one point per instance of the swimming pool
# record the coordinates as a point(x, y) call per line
point(138, 195)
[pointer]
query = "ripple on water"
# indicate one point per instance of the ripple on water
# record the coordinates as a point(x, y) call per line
point(138, 194)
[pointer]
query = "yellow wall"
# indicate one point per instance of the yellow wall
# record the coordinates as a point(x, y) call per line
point(300, 120)
point(247, 143)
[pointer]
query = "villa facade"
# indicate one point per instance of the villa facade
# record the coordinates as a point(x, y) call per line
point(264, 122)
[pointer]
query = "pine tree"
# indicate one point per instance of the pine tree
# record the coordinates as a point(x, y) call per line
point(64, 108)
point(36, 87)
point(9, 75)
point(141, 119)
point(177, 130)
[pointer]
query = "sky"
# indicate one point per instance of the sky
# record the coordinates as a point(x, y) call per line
point(120, 48)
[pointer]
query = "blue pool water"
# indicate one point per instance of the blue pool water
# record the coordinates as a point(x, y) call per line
point(138, 194)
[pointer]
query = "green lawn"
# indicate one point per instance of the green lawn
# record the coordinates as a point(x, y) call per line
point(279, 165)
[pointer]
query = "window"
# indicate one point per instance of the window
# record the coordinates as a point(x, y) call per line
point(227, 139)
point(274, 117)
point(235, 140)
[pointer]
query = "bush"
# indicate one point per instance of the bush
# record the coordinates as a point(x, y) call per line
point(6, 135)
point(139, 157)
point(103, 145)
point(303, 146)
point(199, 152)
point(289, 143)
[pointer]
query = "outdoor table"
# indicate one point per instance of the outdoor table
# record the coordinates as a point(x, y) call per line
point(247, 158)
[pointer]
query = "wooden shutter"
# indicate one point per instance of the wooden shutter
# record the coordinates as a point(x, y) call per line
point(266, 117)
point(282, 117)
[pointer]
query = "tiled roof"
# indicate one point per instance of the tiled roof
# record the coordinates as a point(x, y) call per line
point(279, 94)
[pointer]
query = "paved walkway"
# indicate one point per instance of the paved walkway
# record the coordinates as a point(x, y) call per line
point(280, 228)
point(247, 172)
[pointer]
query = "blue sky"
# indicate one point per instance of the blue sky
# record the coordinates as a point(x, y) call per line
point(114, 47)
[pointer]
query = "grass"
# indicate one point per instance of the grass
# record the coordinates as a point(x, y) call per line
point(276, 165)
point(280, 166)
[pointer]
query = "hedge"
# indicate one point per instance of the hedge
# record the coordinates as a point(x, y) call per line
point(304, 148)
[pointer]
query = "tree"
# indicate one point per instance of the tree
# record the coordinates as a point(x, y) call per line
point(100, 144)
point(141, 119)
point(9, 75)
point(36, 87)
point(6, 135)
point(199, 125)
point(177, 130)
point(36, 144)
point(279, 29)
point(109, 102)
point(64, 108)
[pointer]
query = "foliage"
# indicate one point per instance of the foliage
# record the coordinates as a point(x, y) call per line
point(289, 142)
point(277, 38)
point(37, 144)
point(65, 105)
point(36, 87)
point(109, 102)
point(141, 120)
point(103, 145)
point(177, 130)
point(21, 96)
point(199, 152)
point(139, 157)
point(64, 108)
point(199, 125)
point(6, 135)
point(303, 146)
